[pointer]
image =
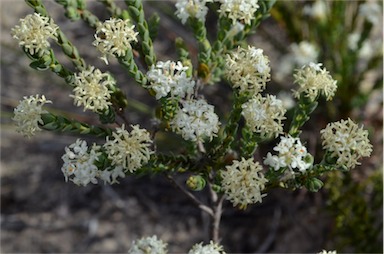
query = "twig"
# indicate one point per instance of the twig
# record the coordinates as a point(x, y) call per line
point(191, 196)
point(215, 225)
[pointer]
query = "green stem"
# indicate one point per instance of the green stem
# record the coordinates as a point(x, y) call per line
point(135, 8)
point(133, 70)
point(225, 141)
point(301, 114)
point(53, 122)
point(204, 55)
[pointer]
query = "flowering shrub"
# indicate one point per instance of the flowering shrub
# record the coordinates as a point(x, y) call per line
point(178, 86)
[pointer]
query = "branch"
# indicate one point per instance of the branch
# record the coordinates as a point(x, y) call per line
point(191, 196)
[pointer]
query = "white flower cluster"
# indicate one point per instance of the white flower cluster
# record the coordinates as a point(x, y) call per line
point(170, 78)
point(292, 155)
point(368, 49)
point(130, 150)
point(239, 10)
point(195, 120)
point(317, 10)
point(92, 89)
point(152, 245)
point(299, 55)
point(304, 53)
point(211, 248)
point(27, 114)
point(371, 11)
point(313, 81)
point(264, 115)
point(327, 252)
point(79, 165)
point(248, 69)
point(114, 37)
point(243, 182)
point(33, 33)
point(192, 8)
point(346, 142)
point(148, 245)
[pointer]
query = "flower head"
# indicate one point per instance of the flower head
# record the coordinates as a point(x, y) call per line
point(148, 245)
point(304, 53)
point(170, 78)
point(264, 115)
point(317, 10)
point(79, 163)
point(346, 142)
point(291, 154)
point(371, 11)
point(34, 32)
point(110, 175)
point(196, 120)
point(114, 37)
point(248, 69)
point(299, 55)
point(239, 10)
point(243, 182)
point(313, 81)
point(92, 89)
point(327, 252)
point(191, 8)
point(131, 150)
point(211, 248)
point(28, 114)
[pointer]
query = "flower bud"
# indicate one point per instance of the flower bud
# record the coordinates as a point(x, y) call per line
point(196, 182)
point(314, 184)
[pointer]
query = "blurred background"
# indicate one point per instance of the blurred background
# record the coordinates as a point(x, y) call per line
point(42, 213)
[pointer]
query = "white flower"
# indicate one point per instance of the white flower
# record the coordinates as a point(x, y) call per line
point(274, 161)
point(327, 252)
point(114, 37)
point(196, 120)
point(346, 142)
point(353, 39)
point(211, 248)
point(313, 81)
point(264, 115)
point(170, 78)
point(371, 11)
point(299, 55)
point(304, 53)
point(27, 114)
point(243, 182)
point(318, 10)
point(131, 150)
point(110, 175)
point(287, 99)
point(34, 32)
point(148, 245)
point(92, 89)
point(192, 8)
point(248, 69)
point(291, 154)
point(239, 10)
point(79, 164)
point(367, 50)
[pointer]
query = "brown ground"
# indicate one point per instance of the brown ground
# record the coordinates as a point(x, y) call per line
point(41, 213)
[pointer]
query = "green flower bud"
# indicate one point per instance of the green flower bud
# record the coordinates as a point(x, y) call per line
point(314, 184)
point(196, 182)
